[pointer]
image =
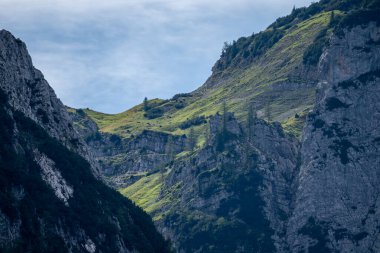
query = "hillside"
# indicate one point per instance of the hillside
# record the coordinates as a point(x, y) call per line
point(276, 152)
point(257, 83)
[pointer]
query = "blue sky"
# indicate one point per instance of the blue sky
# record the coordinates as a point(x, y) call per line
point(109, 55)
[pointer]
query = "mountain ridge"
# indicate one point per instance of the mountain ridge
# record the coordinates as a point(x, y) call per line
point(199, 193)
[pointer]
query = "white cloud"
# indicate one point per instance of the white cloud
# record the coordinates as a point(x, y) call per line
point(109, 55)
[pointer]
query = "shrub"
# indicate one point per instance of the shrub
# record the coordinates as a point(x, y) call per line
point(181, 95)
point(355, 18)
point(154, 113)
point(193, 122)
point(314, 51)
point(81, 112)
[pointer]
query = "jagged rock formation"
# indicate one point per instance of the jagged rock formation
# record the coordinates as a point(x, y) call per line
point(50, 198)
point(337, 197)
point(233, 193)
point(125, 160)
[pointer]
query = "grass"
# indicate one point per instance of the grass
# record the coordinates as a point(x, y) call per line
point(244, 86)
point(145, 192)
point(294, 125)
point(149, 194)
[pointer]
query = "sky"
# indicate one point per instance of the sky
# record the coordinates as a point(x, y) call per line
point(108, 55)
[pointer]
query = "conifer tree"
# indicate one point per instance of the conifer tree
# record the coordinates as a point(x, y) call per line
point(170, 148)
point(250, 121)
point(222, 129)
point(224, 123)
point(146, 105)
point(332, 18)
point(268, 111)
point(191, 140)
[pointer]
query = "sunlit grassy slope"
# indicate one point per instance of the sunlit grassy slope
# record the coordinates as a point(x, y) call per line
point(241, 87)
point(149, 194)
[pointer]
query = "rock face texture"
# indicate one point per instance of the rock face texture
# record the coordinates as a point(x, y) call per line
point(125, 160)
point(50, 197)
point(337, 194)
point(29, 93)
point(238, 183)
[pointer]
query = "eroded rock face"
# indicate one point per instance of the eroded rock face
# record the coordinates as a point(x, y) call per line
point(125, 160)
point(30, 93)
point(236, 188)
point(337, 189)
point(351, 54)
point(52, 176)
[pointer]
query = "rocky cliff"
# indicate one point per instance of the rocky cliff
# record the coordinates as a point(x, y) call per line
point(50, 198)
point(125, 160)
point(337, 189)
point(29, 93)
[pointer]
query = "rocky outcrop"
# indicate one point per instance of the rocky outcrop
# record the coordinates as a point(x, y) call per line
point(125, 160)
point(234, 192)
point(52, 176)
point(337, 189)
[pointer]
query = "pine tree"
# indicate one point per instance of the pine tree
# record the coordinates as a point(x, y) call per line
point(191, 140)
point(250, 121)
point(222, 130)
point(225, 119)
point(332, 18)
point(146, 105)
point(170, 148)
point(268, 111)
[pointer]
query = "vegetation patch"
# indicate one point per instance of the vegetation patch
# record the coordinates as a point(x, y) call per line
point(294, 125)
point(154, 113)
point(358, 17)
point(193, 122)
point(148, 193)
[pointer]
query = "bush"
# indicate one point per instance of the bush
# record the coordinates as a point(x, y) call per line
point(193, 122)
point(355, 18)
point(80, 112)
point(314, 51)
point(154, 113)
point(248, 48)
point(181, 95)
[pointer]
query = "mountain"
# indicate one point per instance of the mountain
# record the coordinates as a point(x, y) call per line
point(276, 152)
point(51, 195)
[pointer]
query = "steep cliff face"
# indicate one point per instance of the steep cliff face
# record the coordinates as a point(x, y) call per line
point(337, 196)
point(29, 93)
point(232, 195)
point(50, 199)
point(125, 160)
